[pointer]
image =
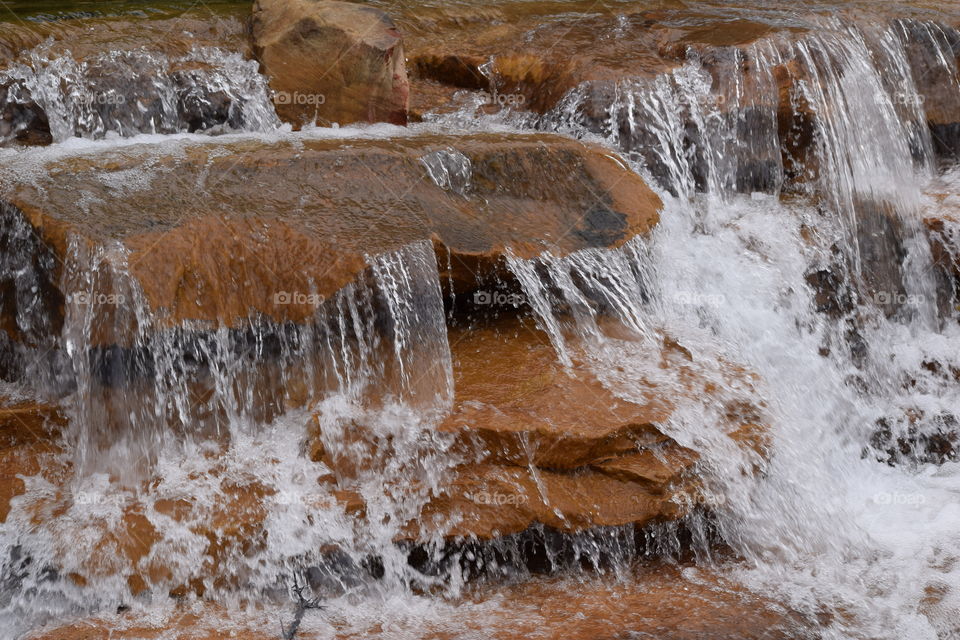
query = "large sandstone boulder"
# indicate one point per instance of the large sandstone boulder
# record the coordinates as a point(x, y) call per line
point(331, 62)
point(215, 233)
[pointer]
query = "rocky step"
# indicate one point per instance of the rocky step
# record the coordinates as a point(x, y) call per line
point(583, 467)
point(521, 56)
point(164, 73)
point(210, 233)
point(656, 600)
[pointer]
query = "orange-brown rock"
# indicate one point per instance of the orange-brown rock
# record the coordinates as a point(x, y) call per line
point(517, 404)
point(657, 601)
point(28, 447)
point(517, 49)
point(541, 443)
point(331, 62)
point(221, 233)
point(490, 501)
point(941, 219)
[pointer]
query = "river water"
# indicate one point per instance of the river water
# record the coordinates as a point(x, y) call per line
point(850, 520)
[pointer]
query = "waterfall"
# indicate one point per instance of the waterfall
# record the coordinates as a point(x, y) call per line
point(374, 365)
point(727, 274)
point(795, 283)
point(127, 93)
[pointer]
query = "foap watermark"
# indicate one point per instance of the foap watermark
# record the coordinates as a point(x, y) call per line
point(702, 100)
point(907, 98)
point(298, 298)
point(295, 498)
point(108, 98)
point(496, 498)
point(86, 298)
point(898, 498)
point(99, 499)
point(298, 98)
point(887, 298)
point(700, 499)
point(699, 299)
point(498, 298)
point(504, 99)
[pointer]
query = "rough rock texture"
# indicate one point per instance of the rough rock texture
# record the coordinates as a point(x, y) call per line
point(941, 218)
point(28, 447)
point(214, 234)
point(331, 62)
point(679, 603)
point(545, 444)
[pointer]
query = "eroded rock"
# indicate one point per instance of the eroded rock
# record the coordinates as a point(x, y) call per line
point(331, 62)
point(663, 601)
point(217, 233)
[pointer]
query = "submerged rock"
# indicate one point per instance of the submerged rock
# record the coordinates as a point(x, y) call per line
point(331, 62)
point(657, 601)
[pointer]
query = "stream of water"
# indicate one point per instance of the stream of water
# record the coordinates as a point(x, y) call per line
point(843, 522)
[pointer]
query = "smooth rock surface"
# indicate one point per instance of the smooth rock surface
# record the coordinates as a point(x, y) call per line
point(214, 233)
point(331, 62)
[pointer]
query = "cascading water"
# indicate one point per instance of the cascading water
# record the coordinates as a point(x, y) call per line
point(825, 290)
point(828, 525)
point(133, 92)
point(377, 360)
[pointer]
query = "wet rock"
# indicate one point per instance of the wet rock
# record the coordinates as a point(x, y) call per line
point(331, 62)
point(218, 234)
point(933, 51)
point(487, 501)
point(657, 600)
point(517, 405)
point(21, 119)
point(944, 236)
point(114, 76)
point(831, 293)
point(917, 439)
point(548, 445)
point(28, 446)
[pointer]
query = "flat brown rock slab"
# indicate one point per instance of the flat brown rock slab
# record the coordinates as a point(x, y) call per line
point(656, 601)
point(213, 232)
point(490, 501)
point(517, 404)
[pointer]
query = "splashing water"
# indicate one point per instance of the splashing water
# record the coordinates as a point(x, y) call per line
point(835, 519)
point(866, 547)
point(133, 92)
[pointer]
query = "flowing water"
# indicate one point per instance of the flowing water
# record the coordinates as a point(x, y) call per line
point(851, 519)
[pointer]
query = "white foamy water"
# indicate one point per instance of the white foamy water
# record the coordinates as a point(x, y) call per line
point(828, 526)
point(822, 522)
